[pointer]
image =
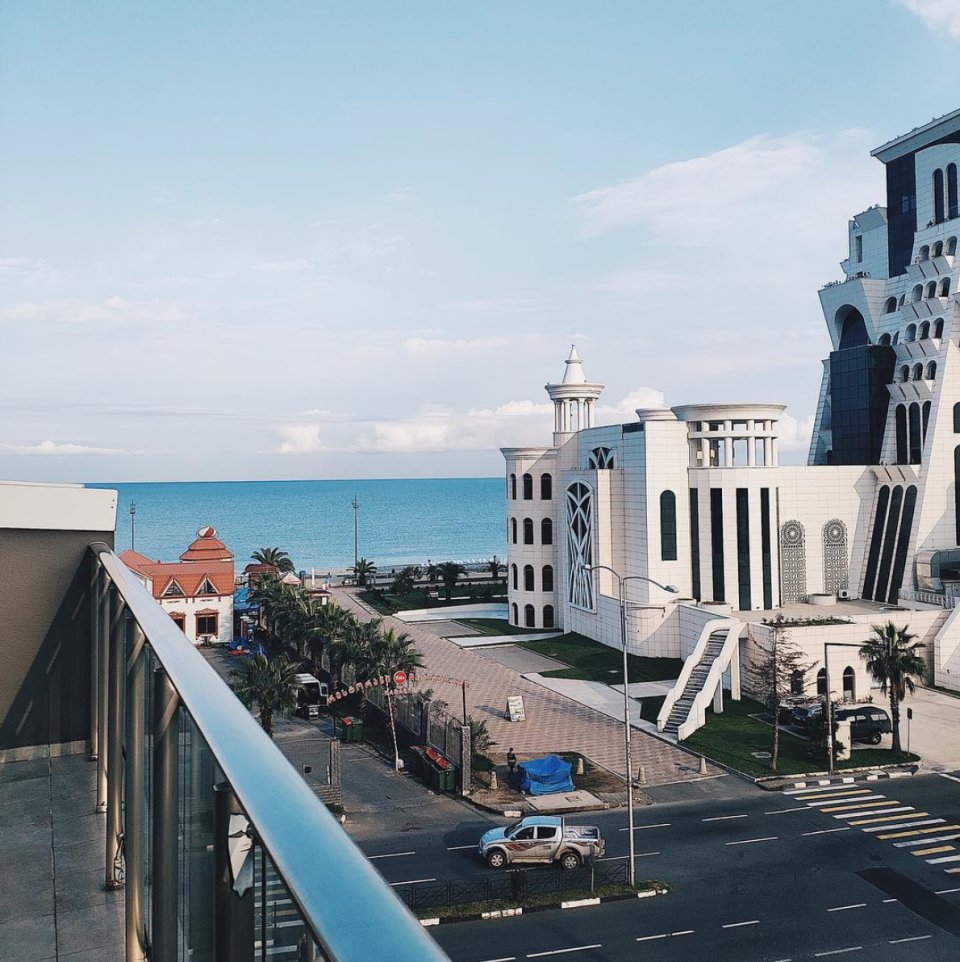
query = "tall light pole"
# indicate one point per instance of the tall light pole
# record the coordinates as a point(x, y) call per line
point(133, 512)
point(621, 581)
point(356, 533)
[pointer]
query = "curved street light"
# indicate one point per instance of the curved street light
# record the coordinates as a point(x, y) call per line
point(621, 581)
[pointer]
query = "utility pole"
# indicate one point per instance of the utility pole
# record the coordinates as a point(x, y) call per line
point(356, 533)
point(133, 513)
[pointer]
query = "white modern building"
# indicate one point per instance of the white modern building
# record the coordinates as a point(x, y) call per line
point(694, 496)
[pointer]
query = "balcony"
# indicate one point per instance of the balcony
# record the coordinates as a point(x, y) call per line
point(176, 829)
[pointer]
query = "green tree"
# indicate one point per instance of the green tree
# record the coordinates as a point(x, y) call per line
point(495, 566)
point(449, 573)
point(273, 556)
point(480, 740)
point(270, 596)
point(364, 569)
point(270, 686)
point(893, 660)
point(329, 622)
point(405, 581)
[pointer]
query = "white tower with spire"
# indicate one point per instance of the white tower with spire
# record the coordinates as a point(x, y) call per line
point(574, 398)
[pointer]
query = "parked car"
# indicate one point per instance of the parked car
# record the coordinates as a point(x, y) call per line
point(806, 717)
point(867, 723)
point(541, 838)
point(789, 705)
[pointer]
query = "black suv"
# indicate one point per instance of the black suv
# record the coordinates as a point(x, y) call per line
point(867, 723)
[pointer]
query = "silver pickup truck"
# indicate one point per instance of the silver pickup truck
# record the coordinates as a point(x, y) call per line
point(541, 838)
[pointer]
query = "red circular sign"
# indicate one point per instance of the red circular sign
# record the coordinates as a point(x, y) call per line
point(399, 677)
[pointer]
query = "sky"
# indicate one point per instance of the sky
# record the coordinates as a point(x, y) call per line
point(246, 240)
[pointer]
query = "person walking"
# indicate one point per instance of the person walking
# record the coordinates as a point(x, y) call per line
point(511, 762)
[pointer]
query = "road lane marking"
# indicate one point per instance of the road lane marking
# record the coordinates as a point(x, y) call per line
point(844, 908)
point(721, 818)
point(913, 826)
point(926, 841)
point(505, 958)
point(953, 778)
point(913, 938)
point(859, 805)
point(456, 848)
point(890, 901)
point(413, 881)
point(640, 828)
point(684, 932)
point(936, 850)
point(946, 858)
point(391, 855)
point(951, 871)
point(825, 831)
point(868, 797)
point(892, 815)
point(653, 938)
point(578, 948)
point(946, 891)
point(852, 948)
point(818, 788)
point(783, 811)
point(737, 925)
point(748, 841)
point(620, 858)
point(849, 791)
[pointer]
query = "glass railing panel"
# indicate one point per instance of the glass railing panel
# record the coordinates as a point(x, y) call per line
point(281, 934)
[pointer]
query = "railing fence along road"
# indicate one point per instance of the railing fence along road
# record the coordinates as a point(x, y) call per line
point(215, 836)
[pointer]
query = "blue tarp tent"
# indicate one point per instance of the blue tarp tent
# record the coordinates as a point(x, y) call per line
point(543, 776)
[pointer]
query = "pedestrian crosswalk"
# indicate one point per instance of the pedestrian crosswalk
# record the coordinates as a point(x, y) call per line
point(919, 833)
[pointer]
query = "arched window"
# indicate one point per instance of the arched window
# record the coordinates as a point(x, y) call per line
point(938, 328)
point(917, 372)
point(853, 330)
point(513, 577)
point(911, 333)
point(952, 206)
point(548, 616)
point(513, 487)
point(579, 539)
point(528, 582)
point(951, 246)
point(902, 301)
point(916, 437)
point(668, 526)
point(938, 196)
point(924, 331)
point(931, 289)
point(513, 530)
point(822, 682)
point(917, 293)
point(796, 683)
point(885, 339)
point(896, 337)
point(849, 684)
point(529, 616)
point(938, 249)
point(514, 617)
point(901, 419)
point(546, 487)
point(904, 376)
point(528, 530)
point(546, 531)
point(546, 578)
point(931, 371)
point(528, 487)
point(945, 287)
point(956, 419)
point(926, 419)
point(890, 306)
point(924, 253)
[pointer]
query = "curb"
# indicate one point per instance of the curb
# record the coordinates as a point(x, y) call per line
point(857, 775)
point(511, 913)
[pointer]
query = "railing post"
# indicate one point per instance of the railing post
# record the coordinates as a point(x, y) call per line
point(234, 929)
point(96, 575)
point(133, 821)
point(116, 657)
point(103, 688)
point(166, 796)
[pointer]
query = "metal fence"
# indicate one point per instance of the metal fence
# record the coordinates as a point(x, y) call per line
point(516, 885)
point(424, 725)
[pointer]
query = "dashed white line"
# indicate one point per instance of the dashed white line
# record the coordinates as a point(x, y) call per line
point(926, 841)
point(505, 958)
point(413, 881)
point(737, 925)
point(825, 831)
point(640, 828)
point(750, 841)
point(945, 858)
point(784, 811)
point(577, 948)
point(946, 891)
point(663, 935)
point(684, 932)
point(456, 848)
point(620, 858)
point(913, 938)
point(391, 855)
point(852, 948)
point(953, 778)
point(890, 901)
point(888, 828)
point(881, 813)
point(844, 908)
point(721, 818)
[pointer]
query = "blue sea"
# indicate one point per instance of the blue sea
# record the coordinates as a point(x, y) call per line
point(400, 521)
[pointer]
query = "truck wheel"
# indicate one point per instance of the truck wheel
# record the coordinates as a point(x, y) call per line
point(875, 738)
point(569, 861)
point(496, 859)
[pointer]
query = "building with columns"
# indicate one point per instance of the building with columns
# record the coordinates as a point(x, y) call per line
point(694, 496)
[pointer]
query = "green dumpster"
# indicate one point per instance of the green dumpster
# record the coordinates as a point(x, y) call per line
point(351, 728)
point(418, 764)
point(448, 778)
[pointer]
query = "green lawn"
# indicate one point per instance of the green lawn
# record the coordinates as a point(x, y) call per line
point(591, 661)
point(494, 626)
point(733, 736)
point(388, 604)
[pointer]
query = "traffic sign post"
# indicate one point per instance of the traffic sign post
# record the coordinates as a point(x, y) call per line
point(909, 719)
point(399, 677)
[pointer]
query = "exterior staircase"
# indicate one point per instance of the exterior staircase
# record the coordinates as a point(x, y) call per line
point(681, 707)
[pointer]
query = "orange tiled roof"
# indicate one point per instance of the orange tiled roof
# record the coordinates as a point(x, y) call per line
point(207, 547)
point(189, 575)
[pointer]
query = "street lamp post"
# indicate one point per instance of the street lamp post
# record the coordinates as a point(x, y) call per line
point(621, 581)
point(133, 511)
point(356, 533)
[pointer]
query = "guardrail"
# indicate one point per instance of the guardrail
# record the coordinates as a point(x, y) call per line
point(218, 786)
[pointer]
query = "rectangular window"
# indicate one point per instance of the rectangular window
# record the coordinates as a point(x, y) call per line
point(765, 549)
point(206, 625)
point(668, 526)
point(716, 543)
point(858, 245)
point(695, 542)
point(178, 620)
point(743, 548)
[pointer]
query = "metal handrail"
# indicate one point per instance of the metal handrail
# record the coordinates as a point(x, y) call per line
point(351, 911)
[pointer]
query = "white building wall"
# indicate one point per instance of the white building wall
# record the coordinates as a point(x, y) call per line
point(188, 607)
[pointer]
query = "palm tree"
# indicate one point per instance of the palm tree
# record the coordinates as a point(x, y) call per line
point(448, 572)
point(496, 566)
point(270, 596)
point(328, 623)
point(271, 686)
point(273, 556)
point(893, 660)
point(364, 569)
point(389, 654)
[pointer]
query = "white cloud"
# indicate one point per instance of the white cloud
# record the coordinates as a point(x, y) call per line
point(300, 439)
point(795, 434)
point(115, 309)
point(434, 347)
point(52, 448)
point(642, 397)
point(937, 14)
point(30, 269)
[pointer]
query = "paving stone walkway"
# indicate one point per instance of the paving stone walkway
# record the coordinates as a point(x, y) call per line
point(553, 723)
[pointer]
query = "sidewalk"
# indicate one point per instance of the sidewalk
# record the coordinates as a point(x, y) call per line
point(553, 722)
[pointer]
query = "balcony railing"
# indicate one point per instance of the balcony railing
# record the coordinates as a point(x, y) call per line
point(223, 848)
